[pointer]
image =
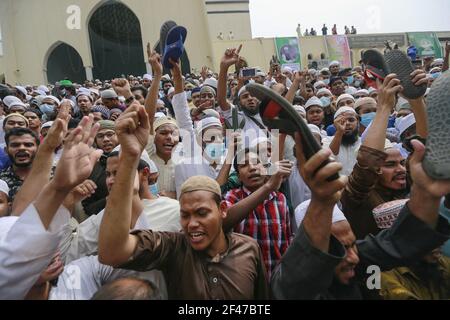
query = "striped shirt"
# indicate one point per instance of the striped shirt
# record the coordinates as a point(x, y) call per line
point(268, 224)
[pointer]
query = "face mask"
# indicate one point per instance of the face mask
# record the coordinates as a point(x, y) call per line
point(154, 189)
point(46, 108)
point(63, 92)
point(350, 80)
point(215, 151)
point(357, 83)
point(436, 75)
point(326, 102)
point(367, 119)
point(326, 81)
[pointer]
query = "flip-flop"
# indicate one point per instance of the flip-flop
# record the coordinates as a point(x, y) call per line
point(277, 113)
point(165, 28)
point(174, 48)
point(437, 156)
point(374, 67)
point(400, 64)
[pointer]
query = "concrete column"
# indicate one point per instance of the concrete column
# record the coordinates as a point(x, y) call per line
point(89, 74)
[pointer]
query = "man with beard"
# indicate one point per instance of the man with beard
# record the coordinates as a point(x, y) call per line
point(346, 142)
point(21, 147)
point(325, 260)
point(249, 119)
point(106, 140)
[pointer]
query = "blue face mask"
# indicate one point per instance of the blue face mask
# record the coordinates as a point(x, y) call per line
point(366, 119)
point(326, 81)
point(350, 80)
point(357, 83)
point(326, 102)
point(436, 75)
point(154, 189)
point(215, 151)
point(46, 108)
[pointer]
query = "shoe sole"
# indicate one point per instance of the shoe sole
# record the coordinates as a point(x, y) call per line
point(287, 120)
point(437, 157)
point(400, 64)
point(165, 28)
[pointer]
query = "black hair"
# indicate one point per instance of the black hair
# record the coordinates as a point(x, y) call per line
point(5, 91)
point(142, 89)
point(18, 132)
point(128, 289)
point(239, 158)
point(299, 100)
point(35, 111)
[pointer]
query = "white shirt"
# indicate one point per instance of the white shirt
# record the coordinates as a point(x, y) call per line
point(26, 249)
point(298, 188)
point(347, 155)
point(162, 214)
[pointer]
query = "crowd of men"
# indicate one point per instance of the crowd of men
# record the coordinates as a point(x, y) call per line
point(172, 187)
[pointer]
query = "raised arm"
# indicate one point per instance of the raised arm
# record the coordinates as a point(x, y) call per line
point(230, 57)
point(298, 83)
point(239, 211)
point(42, 164)
point(235, 140)
point(116, 245)
point(75, 166)
point(340, 124)
point(376, 136)
point(152, 97)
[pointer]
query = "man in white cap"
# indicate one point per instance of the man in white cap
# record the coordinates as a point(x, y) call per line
point(346, 142)
point(147, 80)
point(335, 68)
point(14, 105)
point(110, 99)
point(345, 100)
point(314, 112)
point(249, 119)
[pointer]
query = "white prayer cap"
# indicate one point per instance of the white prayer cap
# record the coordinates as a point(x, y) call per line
point(241, 91)
point(344, 96)
point(159, 115)
point(4, 188)
point(287, 69)
point(437, 61)
point(43, 88)
point(371, 89)
point(405, 123)
point(314, 101)
point(47, 125)
point(362, 91)
point(147, 77)
point(211, 82)
point(324, 90)
point(211, 113)
point(95, 91)
point(11, 101)
point(69, 101)
point(22, 90)
point(319, 83)
point(207, 123)
point(344, 110)
point(300, 110)
point(334, 63)
point(351, 90)
point(300, 213)
point(260, 74)
point(54, 99)
point(165, 77)
point(314, 129)
point(171, 90)
point(40, 92)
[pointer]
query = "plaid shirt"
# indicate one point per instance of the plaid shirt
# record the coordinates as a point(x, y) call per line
point(268, 223)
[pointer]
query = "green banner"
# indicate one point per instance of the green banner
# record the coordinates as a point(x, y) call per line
point(427, 44)
point(288, 52)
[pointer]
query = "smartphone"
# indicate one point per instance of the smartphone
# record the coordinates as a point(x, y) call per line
point(248, 72)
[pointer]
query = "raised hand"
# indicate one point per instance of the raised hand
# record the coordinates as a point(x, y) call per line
point(388, 91)
point(231, 57)
point(122, 87)
point(204, 72)
point(283, 170)
point(81, 192)
point(78, 157)
point(340, 123)
point(133, 130)
point(176, 69)
point(154, 58)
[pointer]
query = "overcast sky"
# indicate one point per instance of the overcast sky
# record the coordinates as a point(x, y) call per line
point(272, 18)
